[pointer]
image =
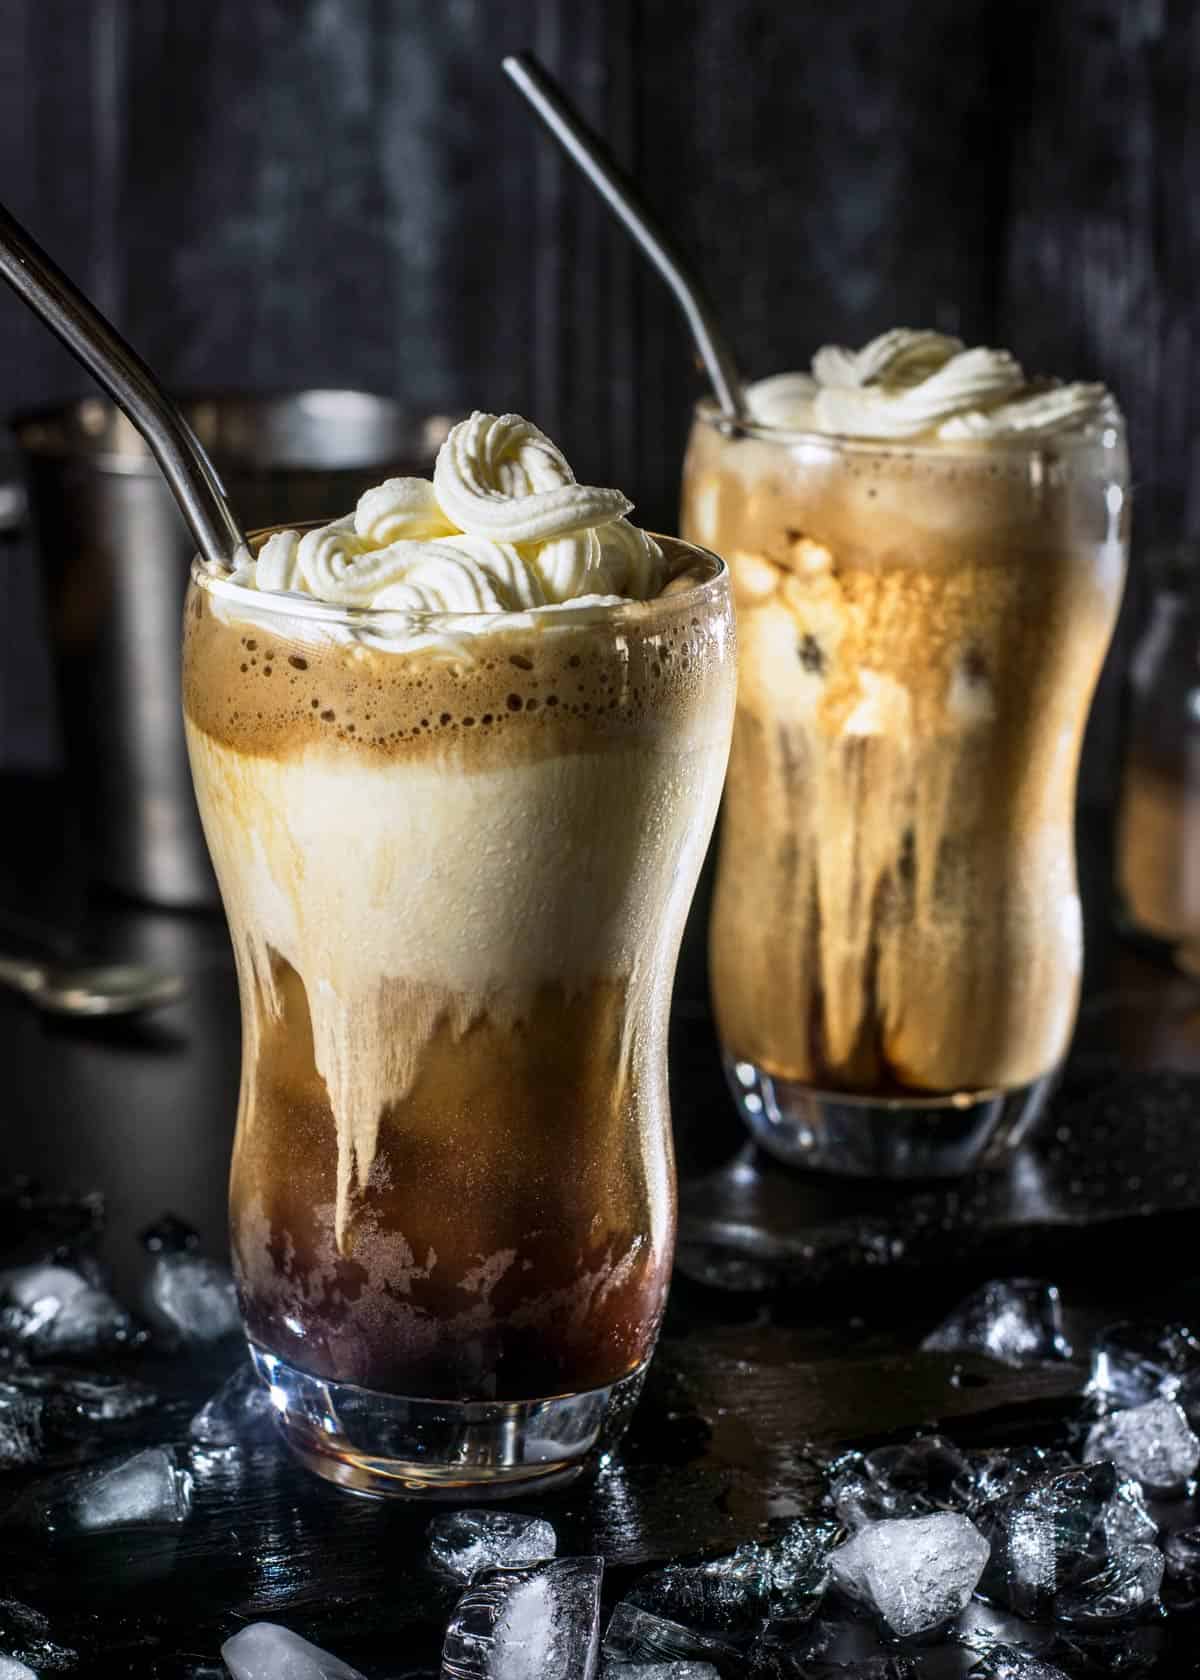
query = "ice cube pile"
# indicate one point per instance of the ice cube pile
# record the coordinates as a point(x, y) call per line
point(57, 1312)
point(1029, 1562)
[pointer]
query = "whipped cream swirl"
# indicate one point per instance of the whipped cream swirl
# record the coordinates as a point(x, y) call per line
point(909, 384)
point(502, 527)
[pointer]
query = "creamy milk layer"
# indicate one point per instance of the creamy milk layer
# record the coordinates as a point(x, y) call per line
point(920, 632)
point(414, 894)
point(451, 834)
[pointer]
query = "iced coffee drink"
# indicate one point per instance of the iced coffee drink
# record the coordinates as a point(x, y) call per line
point(458, 756)
point(927, 552)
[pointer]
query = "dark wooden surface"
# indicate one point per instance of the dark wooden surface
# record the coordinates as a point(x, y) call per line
point(280, 192)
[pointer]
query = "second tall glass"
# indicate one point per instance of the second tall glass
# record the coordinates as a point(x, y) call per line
point(896, 940)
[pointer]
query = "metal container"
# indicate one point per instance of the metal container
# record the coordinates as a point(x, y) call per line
point(114, 556)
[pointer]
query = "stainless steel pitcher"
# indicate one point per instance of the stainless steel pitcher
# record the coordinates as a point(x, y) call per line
point(114, 556)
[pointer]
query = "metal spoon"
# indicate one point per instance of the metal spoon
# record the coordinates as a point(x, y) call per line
point(90, 989)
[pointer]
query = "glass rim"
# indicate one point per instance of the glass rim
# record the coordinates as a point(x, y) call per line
point(402, 620)
point(1106, 433)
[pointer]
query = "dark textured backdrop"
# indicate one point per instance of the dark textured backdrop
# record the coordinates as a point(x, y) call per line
point(274, 192)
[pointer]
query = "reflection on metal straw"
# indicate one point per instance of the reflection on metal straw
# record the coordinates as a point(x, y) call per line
point(590, 153)
point(89, 337)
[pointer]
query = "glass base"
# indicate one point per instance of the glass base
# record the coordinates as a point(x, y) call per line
point(387, 1446)
point(883, 1137)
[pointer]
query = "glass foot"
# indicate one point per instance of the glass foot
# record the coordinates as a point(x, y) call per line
point(883, 1137)
point(387, 1446)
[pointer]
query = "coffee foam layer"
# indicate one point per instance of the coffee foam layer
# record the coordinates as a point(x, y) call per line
point(527, 685)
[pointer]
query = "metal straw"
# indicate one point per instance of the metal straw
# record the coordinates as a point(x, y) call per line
point(91, 340)
point(607, 176)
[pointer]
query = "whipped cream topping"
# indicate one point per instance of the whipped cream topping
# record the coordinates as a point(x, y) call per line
point(908, 384)
point(503, 526)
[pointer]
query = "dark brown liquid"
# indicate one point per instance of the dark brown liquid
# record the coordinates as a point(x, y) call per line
point(516, 1236)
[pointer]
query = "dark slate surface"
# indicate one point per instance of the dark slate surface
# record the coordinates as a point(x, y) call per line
point(755, 1382)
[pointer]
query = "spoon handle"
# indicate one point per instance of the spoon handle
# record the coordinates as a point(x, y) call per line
point(92, 340)
point(21, 975)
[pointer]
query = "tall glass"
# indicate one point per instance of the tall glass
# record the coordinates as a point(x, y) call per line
point(456, 852)
point(896, 940)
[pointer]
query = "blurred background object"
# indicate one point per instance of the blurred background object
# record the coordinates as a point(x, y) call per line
point(332, 193)
point(1158, 829)
point(114, 556)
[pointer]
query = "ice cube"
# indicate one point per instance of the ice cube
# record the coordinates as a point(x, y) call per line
point(735, 1594)
point(917, 1572)
point(998, 1475)
point(531, 1621)
point(798, 1560)
point(1134, 1363)
point(897, 1666)
point(1129, 1581)
point(25, 1637)
point(638, 1636)
point(240, 1410)
point(924, 1475)
point(29, 1286)
point(21, 1417)
point(1010, 1662)
point(726, 1595)
point(55, 1310)
point(781, 1652)
point(102, 1399)
point(1127, 1522)
point(11, 1669)
point(1015, 1320)
point(1152, 1443)
point(266, 1651)
point(142, 1487)
point(660, 1671)
point(1065, 1547)
point(460, 1542)
point(1129, 1651)
point(192, 1296)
